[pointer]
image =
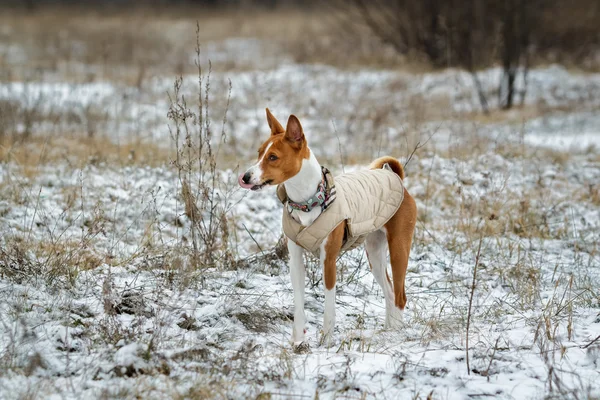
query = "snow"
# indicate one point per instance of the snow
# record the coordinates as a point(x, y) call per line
point(246, 313)
point(139, 321)
point(325, 96)
point(577, 131)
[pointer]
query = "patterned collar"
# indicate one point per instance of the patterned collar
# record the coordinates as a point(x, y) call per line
point(324, 196)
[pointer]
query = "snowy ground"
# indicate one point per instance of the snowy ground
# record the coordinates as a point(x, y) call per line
point(97, 299)
point(373, 108)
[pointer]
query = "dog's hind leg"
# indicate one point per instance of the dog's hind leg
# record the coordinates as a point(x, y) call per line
point(376, 246)
point(329, 252)
point(399, 231)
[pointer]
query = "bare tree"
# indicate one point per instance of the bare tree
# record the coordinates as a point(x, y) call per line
point(470, 34)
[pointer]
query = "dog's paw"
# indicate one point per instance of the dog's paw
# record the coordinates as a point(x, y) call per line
point(298, 335)
point(301, 348)
point(394, 319)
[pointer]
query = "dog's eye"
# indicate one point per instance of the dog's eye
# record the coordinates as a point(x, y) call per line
point(272, 157)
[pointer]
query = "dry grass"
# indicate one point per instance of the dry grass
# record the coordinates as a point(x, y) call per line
point(131, 45)
point(23, 259)
point(32, 154)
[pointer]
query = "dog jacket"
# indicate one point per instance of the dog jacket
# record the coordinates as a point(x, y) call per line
point(365, 199)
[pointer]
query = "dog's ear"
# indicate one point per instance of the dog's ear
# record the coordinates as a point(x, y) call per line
point(293, 132)
point(275, 126)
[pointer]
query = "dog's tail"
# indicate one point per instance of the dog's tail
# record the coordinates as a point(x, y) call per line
point(392, 162)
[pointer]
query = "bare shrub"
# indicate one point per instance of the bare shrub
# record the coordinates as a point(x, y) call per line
point(478, 34)
point(204, 195)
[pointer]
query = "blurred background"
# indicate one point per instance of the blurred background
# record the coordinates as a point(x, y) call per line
point(383, 73)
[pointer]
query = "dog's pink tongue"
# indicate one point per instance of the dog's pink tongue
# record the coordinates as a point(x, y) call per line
point(242, 184)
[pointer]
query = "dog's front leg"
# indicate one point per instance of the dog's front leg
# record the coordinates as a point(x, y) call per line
point(298, 274)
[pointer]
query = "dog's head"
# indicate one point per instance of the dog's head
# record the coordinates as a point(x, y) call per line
point(279, 158)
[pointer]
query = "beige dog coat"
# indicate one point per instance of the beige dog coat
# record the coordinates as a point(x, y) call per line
point(366, 199)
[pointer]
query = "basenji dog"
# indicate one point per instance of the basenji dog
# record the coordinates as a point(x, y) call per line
point(285, 159)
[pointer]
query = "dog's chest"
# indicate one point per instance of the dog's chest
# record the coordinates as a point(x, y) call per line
point(306, 218)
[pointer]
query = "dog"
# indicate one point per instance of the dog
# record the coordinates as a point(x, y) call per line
point(328, 216)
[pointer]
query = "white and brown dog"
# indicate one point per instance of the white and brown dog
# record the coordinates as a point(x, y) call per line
point(326, 217)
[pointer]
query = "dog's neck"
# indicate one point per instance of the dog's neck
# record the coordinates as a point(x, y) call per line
point(303, 186)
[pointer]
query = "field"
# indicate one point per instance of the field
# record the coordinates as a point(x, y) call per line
point(133, 266)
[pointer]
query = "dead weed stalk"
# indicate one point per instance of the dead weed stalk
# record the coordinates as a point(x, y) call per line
point(204, 196)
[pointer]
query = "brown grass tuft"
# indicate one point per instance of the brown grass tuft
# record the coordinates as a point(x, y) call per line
point(38, 151)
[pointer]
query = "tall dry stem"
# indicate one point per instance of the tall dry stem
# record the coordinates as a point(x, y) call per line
point(203, 194)
point(473, 285)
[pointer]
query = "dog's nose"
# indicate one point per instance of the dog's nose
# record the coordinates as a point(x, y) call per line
point(246, 177)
